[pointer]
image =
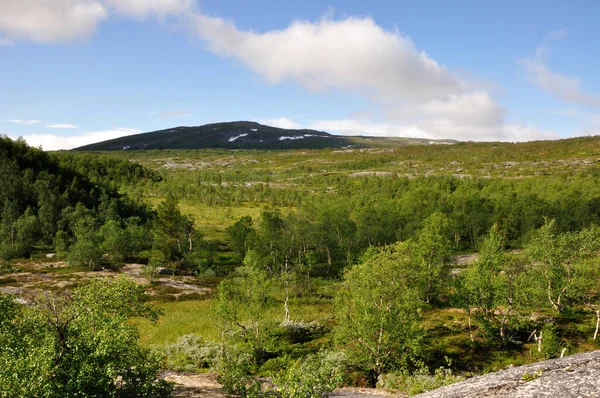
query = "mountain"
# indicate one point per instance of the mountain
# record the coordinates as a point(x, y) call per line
point(244, 135)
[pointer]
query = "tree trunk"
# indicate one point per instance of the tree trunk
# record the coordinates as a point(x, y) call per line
point(597, 324)
point(286, 306)
point(470, 327)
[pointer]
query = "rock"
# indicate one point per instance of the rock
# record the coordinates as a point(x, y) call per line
point(572, 376)
point(164, 271)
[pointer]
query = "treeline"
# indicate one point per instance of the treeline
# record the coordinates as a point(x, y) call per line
point(387, 208)
point(106, 171)
point(45, 203)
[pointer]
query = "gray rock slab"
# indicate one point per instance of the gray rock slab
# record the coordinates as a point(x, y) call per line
point(569, 377)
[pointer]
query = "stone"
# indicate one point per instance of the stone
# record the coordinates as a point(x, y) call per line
point(573, 376)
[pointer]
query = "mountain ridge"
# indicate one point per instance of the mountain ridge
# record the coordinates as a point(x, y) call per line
point(245, 135)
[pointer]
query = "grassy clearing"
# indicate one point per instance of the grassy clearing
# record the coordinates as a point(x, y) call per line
point(186, 317)
point(213, 221)
point(178, 319)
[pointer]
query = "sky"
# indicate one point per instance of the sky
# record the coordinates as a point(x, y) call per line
point(73, 72)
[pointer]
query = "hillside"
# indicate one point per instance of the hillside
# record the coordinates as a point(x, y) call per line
point(244, 135)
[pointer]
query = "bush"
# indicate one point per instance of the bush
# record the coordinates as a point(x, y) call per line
point(302, 332)
point(150, 272)
point(313, 376)
point(552, 344)
point(234, 368)
point(80, 344)
point(421, 380)
point(191, 353)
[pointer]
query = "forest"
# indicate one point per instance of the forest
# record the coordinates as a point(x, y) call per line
point(402, 268)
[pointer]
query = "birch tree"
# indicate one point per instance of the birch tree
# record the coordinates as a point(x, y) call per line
point(377, 311)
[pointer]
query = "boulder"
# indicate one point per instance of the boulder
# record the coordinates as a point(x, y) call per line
point(572, 376)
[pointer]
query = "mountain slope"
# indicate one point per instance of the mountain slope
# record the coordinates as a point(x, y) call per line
point(242, 135)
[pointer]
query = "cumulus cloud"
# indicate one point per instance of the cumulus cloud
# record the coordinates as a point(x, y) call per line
point(419, 96)
point(354, 53)
point(61, 126)
point(48, 21)
point(435, 129)
point(476, 109)
point(51, 142)
point(143, 8)
point(281, 122)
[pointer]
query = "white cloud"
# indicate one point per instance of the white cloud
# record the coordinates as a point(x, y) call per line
point(563, 87)
point(281, 122)
point(20, 121)
point(49, 21)
point(419, 96)
point(350, 54)
point(51, 142)
point(143, 8)
point(432, 129)
point(476, 109)
point(61, 126)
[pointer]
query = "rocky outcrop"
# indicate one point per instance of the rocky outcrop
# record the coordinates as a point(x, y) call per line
point(572, 376)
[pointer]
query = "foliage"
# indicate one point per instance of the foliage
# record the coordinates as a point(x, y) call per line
point(78, 344)
point(175, 241)
point(41, 197)
point(557, 258)
point(191, 353)
point(239, 234)
point(494, 288)
point(241, 303)
point(377, 311)
point(421, 380)
point(234, 368)
point(431, 250)
point(313, 376)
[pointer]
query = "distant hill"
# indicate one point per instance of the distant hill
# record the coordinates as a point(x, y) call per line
point(245, 135)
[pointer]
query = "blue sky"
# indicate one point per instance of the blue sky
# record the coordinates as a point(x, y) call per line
point(78, 71)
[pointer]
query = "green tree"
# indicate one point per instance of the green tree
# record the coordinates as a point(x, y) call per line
point(87, 249)
point(377, 311)
point(554, 256)
point(18, 236)
point(115, 244)
point(78, 344)
point(431, 249)
point(494, 288)
point(175, 241)
point(238, 235)
point(242, 301)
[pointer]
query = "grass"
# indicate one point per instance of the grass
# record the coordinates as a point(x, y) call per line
point(195, 316)
point(178, 319)
point(213, 221)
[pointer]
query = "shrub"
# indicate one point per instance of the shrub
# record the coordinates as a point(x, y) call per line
point(301, 332)
point(191, 353)
point(79, 344)
point(234, 368)
point(420, 380)
point(313, 376)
